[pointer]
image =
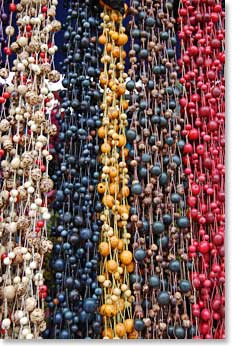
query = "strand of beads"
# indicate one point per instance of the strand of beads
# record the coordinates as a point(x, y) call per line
point(158, 220)
point(202, 35)
point(116, 258)
point(25, 133)
point(74, 293)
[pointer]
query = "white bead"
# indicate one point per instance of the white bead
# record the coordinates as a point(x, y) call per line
point(25, 331)
point(28, 272)
point(18, 314)
point(27, 256)
point(29, 336)
point(43, 210)
point(45, 152)
point(23, 320)
point(6, 323)
point(52, 51)
point(14, 193)
point(44, 91)
point(49, 158)
point(32, 213)
point(7, 261)
point(38, 276)
point(33, 127)
point(31, 189)
point(46, 216)
point(11, 255)
point(20, 67)
point(24, 250)
point(27, 184)
point(39, 145)
point(33, 265)
point(33, 206)
point(38, 201)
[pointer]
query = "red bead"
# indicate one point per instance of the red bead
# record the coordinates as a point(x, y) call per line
point(40, 223)
point(12, 7)
point(2, 152)
point(203, 247)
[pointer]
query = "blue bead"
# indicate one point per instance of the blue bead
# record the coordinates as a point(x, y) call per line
point(154, 281)
point(140, 254)
point(139, 325)
point(163, 298)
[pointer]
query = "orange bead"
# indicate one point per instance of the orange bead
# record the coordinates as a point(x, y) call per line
point(120, 244)
point(125, 191)
point(102, 39)
point(114, 241)
point(122, 39)
point(126, 257)
point(108, 47)
point(133, 335)
point(125, 104)
point(110, 310)
point(123, 209)
point(105, 148)
point(102, 309)
point(108, 201)
point(107, 333)
point(104, 249)
point(113, 172)
point(114, 36)
point(103, 79)
point(124, 54)
point(114, 16)
point(116, 52)
point(121, 89)
point(130, 267)
point(129, 325)
point(113, 188)
point(121, 141)
point(101, 132)
point(111, 266)
point(124, 151)
point(101, 188)
point(113, 113)
point(120, 329)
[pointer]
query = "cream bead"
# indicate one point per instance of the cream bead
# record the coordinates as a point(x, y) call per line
point(12, 227)
point(16, 280)
point(25, 280)
point(9, 292)
point(30, 304)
